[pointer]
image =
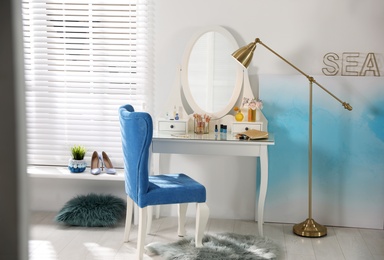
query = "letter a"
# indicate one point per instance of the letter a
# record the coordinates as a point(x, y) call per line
point(370, 65)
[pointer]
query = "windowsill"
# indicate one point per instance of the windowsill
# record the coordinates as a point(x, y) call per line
point(57, 172)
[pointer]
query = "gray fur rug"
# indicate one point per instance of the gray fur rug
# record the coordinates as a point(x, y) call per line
point(217, 246)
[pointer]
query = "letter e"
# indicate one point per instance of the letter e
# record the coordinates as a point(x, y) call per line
point(349, 63)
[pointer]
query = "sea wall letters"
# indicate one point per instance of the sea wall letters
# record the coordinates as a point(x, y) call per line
point(353, 64)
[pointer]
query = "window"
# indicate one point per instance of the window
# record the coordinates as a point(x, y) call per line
point(83, 60)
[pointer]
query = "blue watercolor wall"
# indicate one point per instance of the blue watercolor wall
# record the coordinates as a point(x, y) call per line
point(348, 149)
point(348, 146)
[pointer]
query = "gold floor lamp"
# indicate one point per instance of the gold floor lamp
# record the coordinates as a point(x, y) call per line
point(309, 227)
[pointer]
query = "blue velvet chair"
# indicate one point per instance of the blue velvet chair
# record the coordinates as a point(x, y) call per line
point(150, 190)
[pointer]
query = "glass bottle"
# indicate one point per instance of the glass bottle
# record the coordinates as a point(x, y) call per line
point(239, 116)
point(251, 115)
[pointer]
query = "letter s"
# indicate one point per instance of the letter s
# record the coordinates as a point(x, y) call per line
point(330, 61)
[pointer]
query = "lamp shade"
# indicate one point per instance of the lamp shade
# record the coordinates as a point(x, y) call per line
point(244, 54)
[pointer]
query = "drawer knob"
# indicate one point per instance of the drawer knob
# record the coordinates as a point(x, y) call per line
point(246, 128)
point(171, 126)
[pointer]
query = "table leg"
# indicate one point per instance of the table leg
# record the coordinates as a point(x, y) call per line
point(263, 187)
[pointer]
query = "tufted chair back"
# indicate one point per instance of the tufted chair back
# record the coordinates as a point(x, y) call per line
point(136, 131)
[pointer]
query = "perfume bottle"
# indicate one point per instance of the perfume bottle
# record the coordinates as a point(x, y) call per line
point(216, 132)
point(239, 116)
point(223, 132)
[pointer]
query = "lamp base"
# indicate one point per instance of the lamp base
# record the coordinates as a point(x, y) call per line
point(310, 228)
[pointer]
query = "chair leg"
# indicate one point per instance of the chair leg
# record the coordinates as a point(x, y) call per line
point(157, 211)
point(202, 216)
point(142, 232)
point(182, 218)
point(128, 219)
point(149, 219)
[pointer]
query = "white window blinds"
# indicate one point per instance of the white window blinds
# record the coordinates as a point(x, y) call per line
point(83, 60)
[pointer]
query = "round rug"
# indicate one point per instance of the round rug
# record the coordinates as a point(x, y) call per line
point(92, 210)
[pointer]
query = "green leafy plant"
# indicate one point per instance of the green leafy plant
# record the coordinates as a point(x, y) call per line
point(78, 152)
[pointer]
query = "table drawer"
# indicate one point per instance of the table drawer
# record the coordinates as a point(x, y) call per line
point(238, 127)
point(177, 126)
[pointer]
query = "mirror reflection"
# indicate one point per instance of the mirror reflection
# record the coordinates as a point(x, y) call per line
point(211, 79)
point(212, 72)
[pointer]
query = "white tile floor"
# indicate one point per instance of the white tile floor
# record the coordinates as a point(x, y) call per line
point(50, 241)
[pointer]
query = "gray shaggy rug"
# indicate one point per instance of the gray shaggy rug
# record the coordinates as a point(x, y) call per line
point(217, 246)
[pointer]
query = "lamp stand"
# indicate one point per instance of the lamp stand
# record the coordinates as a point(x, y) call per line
point(309, 227)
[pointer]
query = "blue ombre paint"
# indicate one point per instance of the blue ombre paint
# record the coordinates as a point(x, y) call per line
point(348, 150)
point(374, 115)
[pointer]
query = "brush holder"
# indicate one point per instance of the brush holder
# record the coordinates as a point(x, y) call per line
point(201, 127)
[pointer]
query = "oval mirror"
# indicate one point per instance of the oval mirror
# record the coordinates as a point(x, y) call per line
point(211, 79)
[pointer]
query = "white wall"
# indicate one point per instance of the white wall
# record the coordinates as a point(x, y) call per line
point(50, 194)
point(300, 30)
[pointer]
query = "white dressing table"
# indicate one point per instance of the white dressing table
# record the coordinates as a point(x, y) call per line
point(209, 81)
point(211, 144)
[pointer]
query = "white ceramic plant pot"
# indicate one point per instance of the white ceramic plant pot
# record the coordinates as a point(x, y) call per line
point(77, 166)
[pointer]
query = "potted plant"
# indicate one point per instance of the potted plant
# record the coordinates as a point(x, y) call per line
point(77, 163)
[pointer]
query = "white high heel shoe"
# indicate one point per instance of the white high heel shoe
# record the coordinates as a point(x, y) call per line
point(95, 164)
point(106, 162)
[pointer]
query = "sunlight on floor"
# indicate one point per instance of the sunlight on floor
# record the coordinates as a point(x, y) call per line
point(98, 252)
point(41, 249)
